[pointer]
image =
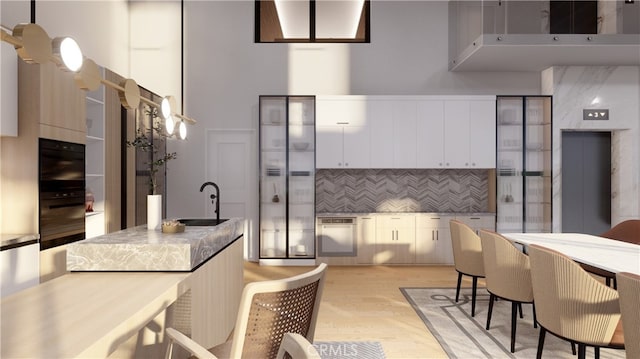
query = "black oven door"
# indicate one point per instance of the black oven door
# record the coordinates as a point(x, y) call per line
point(61, 218)
point(62, 192)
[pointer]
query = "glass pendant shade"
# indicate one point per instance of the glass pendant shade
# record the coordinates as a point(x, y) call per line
point(169, 125)
point(183, 130)
point(70, 53)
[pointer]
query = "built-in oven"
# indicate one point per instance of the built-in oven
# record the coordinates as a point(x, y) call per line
point(62, 192)
point(337, 237)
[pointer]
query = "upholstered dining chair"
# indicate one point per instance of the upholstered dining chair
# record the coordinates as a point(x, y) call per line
point(573, 305)
point(629, 291)
point(625, 231)
point(507, 276)
point(467, 257)
point(268, 310)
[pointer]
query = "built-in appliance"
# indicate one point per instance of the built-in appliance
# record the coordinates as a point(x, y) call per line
point(337, 237)
point(62, 192)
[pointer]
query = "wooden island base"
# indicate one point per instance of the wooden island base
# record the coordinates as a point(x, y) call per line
point(123, 314)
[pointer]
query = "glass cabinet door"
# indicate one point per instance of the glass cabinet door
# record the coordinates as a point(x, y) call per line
point(287, 179)
point(524, 164)
point(510, 165)
point(273, 161)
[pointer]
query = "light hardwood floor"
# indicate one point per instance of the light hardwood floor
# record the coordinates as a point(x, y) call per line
point(364, 303)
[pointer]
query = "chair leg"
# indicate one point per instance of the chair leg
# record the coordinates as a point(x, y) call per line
point(458, 286)
point(582, 351)
point(573, 348)
point(491, 300)
point(540, 342)
point(615, 283)
point(607, 281)
point(520, 309)
point(597, 352)
point(535, 319)
point(473, 296)
point(514, 309)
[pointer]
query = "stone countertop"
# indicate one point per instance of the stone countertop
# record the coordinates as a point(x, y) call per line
point(8, 241)
point(140, 249)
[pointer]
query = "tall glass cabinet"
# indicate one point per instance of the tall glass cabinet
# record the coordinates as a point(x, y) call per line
point(523, 171)
point(287, 177)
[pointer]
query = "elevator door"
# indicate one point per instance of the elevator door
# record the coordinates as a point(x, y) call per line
point(586, 182)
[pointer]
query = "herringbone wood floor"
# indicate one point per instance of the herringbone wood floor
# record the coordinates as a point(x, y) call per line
point(363, 303)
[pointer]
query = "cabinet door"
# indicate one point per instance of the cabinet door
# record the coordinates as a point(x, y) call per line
point(433, 240)
point(356, 145)
point(456, 134)
point(380, 122)
point(366, 232)
point(479, 222)
point(62, 102)
point(395, 239)
point(482, 130)
point(9, 85)
point(405, 119)
point(347, 110)
point(20, 268)
point(329, 147)
point(430, 131)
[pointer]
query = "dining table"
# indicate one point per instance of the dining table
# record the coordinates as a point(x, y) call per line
point(607, 254)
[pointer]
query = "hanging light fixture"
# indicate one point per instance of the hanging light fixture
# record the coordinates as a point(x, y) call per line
point(167, 106)
point(67, 50)
point(182, 130)
point(32, 43)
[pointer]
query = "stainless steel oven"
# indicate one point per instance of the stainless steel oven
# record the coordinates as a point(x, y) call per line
point(62, 192)
point(337, 237)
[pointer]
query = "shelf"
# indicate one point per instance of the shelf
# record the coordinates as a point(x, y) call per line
point(94, 175)
point(93, 139)
point(94, 213)
point(94, 101)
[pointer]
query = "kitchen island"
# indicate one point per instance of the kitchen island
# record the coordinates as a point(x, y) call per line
point(124, 313)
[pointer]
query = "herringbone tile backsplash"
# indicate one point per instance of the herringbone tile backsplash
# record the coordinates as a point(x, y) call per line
point(393, 190)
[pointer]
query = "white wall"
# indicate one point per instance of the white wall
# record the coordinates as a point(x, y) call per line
point(225, 72)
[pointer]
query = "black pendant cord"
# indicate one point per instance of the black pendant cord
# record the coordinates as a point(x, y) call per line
point(182, 55)
point(33, 11)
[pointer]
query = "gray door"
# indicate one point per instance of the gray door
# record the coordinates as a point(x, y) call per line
point(586, 182)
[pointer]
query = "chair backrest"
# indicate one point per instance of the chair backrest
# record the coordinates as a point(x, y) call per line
point(506, 268)
point(269, 309)
point(629, 291)
point(467, 250)
point(569, 301)
point(295, 346)
point(626, 231)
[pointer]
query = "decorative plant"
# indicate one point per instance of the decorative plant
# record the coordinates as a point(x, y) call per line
point(146, 142)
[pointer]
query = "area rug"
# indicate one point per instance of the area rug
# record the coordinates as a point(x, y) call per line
point(462, 336)
point(351, 350)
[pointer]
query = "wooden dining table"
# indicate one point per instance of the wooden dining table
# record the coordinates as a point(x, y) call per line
point(604, 253)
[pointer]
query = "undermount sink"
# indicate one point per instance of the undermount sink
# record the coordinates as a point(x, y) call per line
point(201, 221)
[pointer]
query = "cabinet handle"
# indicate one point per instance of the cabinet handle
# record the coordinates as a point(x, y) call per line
point(473, 164)
point(466, 163)
point(346, 164)
point(432, 235)
point(440, 164)
point(342, 123)
point(447, 163)
point(437, 235)
point(339, 164)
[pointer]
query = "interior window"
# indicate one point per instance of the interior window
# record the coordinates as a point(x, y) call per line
point(312, 21)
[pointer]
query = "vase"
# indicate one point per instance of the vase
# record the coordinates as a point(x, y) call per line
point(154, 211)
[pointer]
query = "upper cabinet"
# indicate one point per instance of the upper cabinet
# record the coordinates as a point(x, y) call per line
point(406, 132)
point(342, 138)
point(8, 91)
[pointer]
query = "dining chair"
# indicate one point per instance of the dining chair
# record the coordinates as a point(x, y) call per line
point(467, 257)
point(507, 276)
point(573, 305)
point(625, 231)
point(268, 310)
point(629, 291)
point(296, 347)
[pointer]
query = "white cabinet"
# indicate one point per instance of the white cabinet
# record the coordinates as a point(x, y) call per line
point(433, 240)
point(366, 237)
point(430, 130)
point(94, 160)
point(395, 239)
point(469, 133)
point(479, 222)
point(8, 90)
point(406, 132)
point(342, 139)
point(405, 119)
point(20, 268)
point(380, 123)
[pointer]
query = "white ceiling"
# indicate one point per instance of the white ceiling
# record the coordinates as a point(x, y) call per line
point(538, 52)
